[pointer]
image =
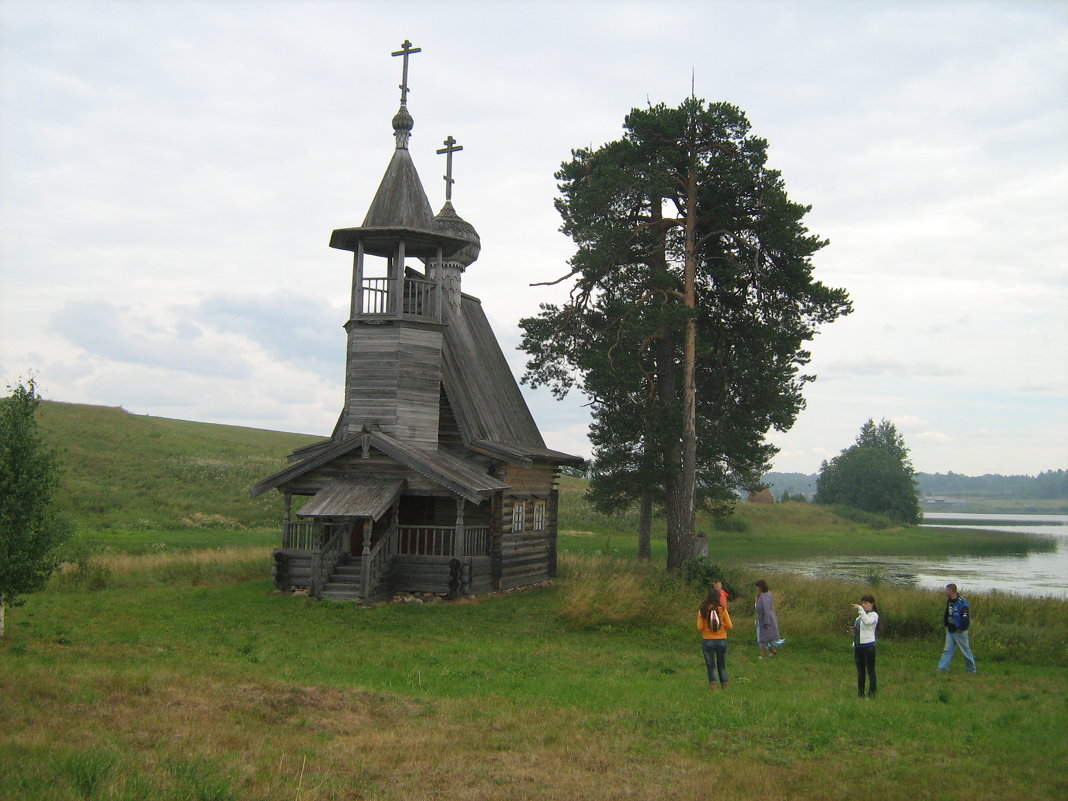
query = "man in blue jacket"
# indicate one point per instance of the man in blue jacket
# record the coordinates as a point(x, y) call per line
point(957, 619)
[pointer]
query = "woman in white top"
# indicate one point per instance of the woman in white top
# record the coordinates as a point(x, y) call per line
point(864, 628)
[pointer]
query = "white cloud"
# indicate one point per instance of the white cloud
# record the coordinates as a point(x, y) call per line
point(934, 437)
point(170, 174)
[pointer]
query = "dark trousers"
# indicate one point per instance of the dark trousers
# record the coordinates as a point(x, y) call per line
point(865, 659)
point(715, 652)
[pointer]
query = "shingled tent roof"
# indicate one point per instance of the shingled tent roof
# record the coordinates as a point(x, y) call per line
point(489, 408)
point(400, 209)
point(400, 200)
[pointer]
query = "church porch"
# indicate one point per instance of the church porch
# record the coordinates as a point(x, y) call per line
point(361, 558)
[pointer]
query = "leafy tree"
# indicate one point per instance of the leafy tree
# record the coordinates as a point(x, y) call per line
point(885, 437)
point(30, 526)
point(874, 475)
point(692, 297)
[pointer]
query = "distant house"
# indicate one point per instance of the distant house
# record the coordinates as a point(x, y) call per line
point(436, 478)
point(762, 495)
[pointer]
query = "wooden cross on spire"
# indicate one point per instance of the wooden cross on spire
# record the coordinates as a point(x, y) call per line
point(450, 148)
point(406, 50)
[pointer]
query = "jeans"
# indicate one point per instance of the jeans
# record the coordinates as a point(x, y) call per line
point(715, 659)
point(864, 655)
point(957, 639)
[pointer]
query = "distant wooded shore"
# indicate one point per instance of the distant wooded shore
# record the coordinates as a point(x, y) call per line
point(1046, 493)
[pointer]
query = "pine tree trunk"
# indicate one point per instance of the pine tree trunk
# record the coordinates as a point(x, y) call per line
point(675, 507)
point(645, 525)
point(1, 618)
point(688, 479)
point(679, 548)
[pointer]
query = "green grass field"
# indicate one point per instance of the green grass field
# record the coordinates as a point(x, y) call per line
point(161, 665)
point(180, 679)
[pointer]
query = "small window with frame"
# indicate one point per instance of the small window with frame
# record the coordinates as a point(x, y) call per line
point(539, 515)
point(519, 514)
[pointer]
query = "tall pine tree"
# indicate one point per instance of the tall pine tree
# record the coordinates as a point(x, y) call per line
point(692, 296)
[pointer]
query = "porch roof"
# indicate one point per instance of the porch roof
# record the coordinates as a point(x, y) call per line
point(451, 471)
point(347, 497)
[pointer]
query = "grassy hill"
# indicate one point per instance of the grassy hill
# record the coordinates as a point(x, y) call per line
point(137, 472)
point(139, 483)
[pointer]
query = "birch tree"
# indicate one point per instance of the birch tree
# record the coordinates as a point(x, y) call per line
point(31, 527)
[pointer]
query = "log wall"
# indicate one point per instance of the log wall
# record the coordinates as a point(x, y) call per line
point(431, 574)
point(393, 380)
point(528, 556)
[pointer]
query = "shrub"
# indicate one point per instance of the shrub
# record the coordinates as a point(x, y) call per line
point(700, 571)
point(872, 519)
point(729, 523)
point(599, 592)
point(83, 568)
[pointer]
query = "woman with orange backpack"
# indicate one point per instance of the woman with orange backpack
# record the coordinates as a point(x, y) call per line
point(714, 621)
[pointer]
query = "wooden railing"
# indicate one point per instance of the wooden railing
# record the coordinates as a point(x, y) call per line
point(375, 296)
point(441, 541)
point(325, 558)
point(326, 544)
point(419, 298)
point(298, 534)
point(476, 541)
point(375, 561)
point(426, 540)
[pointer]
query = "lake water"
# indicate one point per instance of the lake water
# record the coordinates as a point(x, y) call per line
point(1043, 573)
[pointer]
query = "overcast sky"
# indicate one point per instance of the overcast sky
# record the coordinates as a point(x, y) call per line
point(170, 174)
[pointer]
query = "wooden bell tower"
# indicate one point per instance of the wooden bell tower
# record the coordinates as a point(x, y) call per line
point(395, 327)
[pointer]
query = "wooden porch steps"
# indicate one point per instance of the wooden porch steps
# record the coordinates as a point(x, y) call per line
point(292, 569)
point(344, 582)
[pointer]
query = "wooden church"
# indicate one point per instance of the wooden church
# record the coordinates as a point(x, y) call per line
point(436, 478)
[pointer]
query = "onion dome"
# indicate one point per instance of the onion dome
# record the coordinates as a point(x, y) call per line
point(402, 127)
point(453, 225)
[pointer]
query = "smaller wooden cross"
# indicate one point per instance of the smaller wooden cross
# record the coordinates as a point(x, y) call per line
point(450, 148)
point(406, 50)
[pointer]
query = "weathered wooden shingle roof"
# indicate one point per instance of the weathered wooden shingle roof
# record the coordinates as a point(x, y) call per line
point(318, 454)
point(492, 414)
point(449, 470)
point(346, 497)
point(400, 210)
point(449, 222)
point(400, 199)
point(446, 469)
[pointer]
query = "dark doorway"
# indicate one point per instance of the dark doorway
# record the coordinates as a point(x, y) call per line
point(356, 538)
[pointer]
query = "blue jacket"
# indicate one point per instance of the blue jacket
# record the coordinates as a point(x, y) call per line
point(957, 617)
